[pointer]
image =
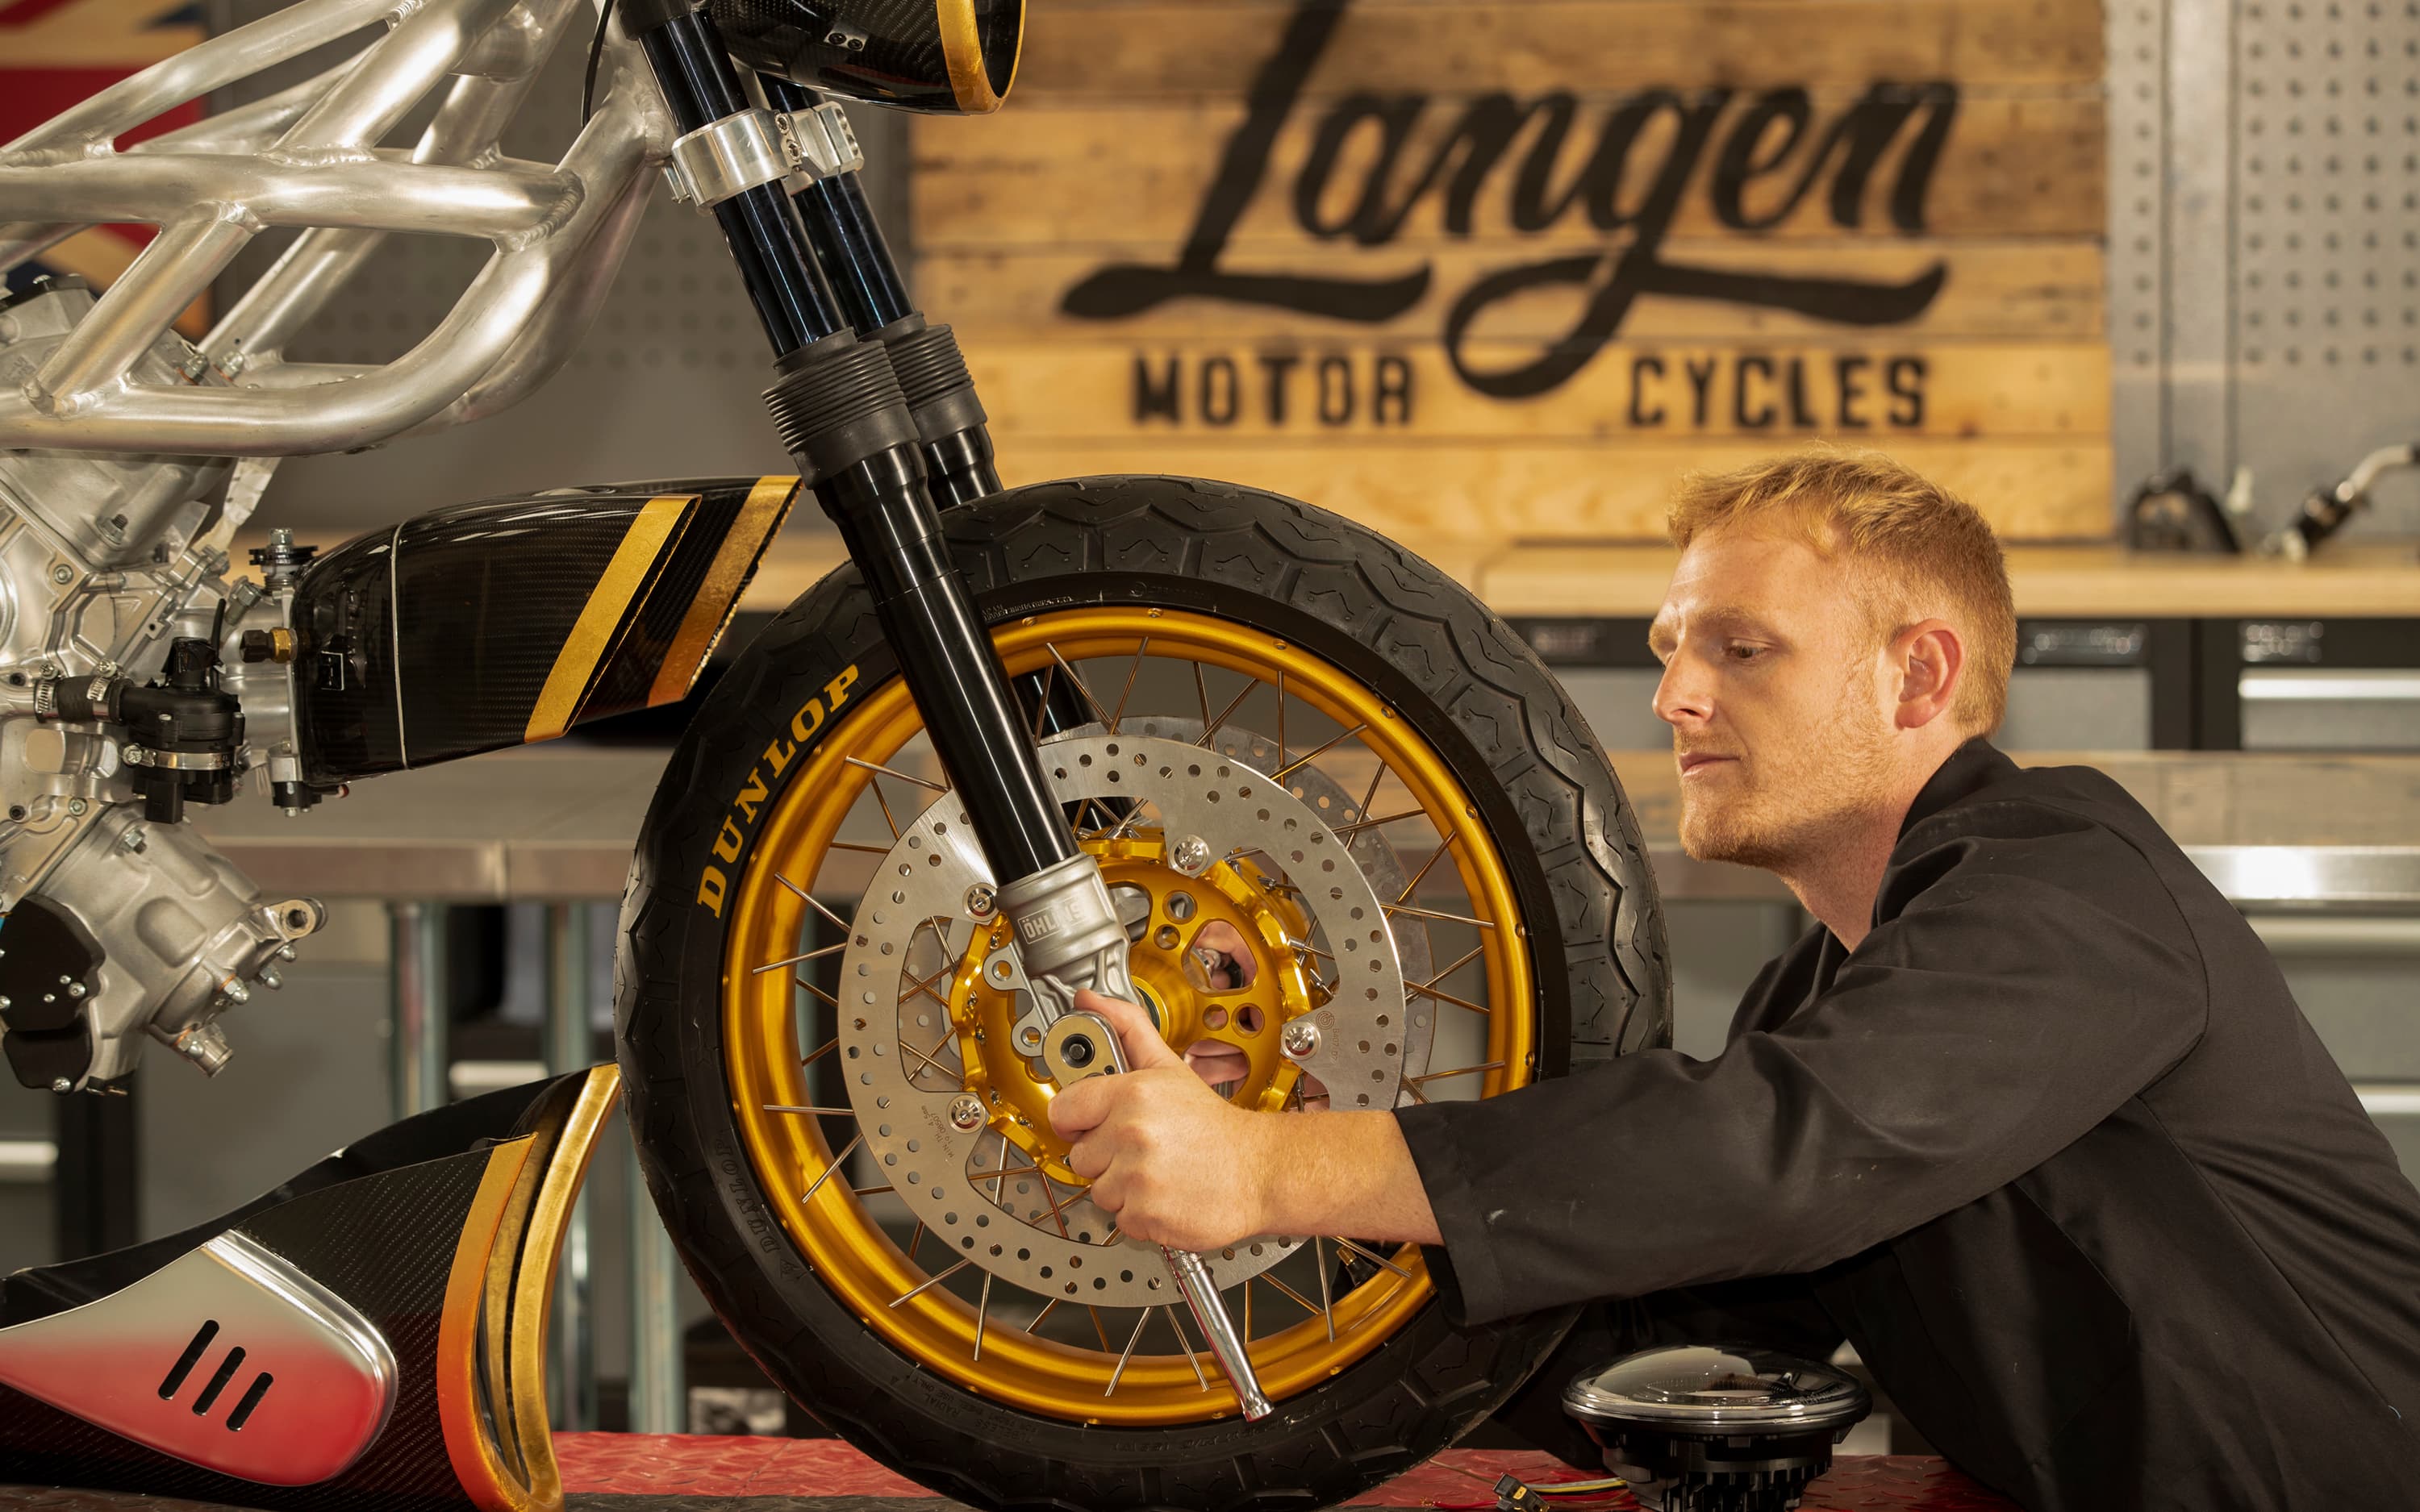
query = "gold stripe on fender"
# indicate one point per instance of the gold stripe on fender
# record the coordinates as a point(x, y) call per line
point(594, 633)
point(760, 515)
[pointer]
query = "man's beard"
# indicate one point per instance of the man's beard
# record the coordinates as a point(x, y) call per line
point(1799, 802)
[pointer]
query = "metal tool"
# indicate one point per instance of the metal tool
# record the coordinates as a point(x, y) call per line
point(228, 1357)
point(1081, 1044)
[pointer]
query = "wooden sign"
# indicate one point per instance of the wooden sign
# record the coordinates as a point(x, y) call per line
point(1497, 269)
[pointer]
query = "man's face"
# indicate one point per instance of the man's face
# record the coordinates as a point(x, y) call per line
point(1773, 685)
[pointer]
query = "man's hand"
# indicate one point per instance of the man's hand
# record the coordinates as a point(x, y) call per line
point(1174, 1163)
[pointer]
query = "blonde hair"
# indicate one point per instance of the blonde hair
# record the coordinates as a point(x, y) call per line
point(1927, 552)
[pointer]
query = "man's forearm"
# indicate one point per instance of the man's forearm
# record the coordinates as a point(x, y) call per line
point(1344, 1173)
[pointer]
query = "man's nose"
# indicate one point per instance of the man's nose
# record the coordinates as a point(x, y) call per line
point(1681, 696)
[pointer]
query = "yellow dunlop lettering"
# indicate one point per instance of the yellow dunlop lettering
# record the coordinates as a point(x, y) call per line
point(808, 719)
point(756, 789)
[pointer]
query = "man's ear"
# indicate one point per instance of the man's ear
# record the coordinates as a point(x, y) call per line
point(1930, 659)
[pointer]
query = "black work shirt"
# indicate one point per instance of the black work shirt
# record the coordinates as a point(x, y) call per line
point(2054, 1148)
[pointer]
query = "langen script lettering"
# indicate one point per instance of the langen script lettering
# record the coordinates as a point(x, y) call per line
point(1648, 150)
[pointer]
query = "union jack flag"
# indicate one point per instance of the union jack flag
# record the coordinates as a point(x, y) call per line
point(55, 52)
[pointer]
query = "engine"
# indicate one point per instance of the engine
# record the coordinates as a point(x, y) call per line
point(125, 695)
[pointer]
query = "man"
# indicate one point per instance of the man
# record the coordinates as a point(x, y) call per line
point(2028, 1115)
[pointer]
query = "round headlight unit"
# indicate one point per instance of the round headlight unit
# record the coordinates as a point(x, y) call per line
point(1716, 1428)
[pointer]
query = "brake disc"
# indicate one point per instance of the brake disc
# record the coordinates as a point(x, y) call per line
point(908, 1061)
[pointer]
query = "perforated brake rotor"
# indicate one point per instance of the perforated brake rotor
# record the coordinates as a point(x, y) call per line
point(904, 1076)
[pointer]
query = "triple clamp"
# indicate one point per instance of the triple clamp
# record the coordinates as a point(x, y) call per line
point(729, 156)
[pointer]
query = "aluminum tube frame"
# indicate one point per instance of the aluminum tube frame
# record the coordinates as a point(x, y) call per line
point(560, 232)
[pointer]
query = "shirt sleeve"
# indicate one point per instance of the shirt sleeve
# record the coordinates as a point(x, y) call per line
point(2022, 988)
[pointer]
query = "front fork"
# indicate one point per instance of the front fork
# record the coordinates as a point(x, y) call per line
point(848, 350)
point(876, 408)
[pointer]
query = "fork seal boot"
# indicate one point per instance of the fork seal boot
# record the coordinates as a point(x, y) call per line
point(837, 403)
point(933, 375)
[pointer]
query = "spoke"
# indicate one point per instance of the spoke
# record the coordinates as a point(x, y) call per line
point(1409, 887)
point(930, 1281)
point(1101, 1329)
point(1201, 692)
point(1035, 1327)
point(1449, 997)
point(872, 1191)
point(857, 845)
point(812, 987)
point(829, 1045)
point(1280, 716)
point(1119, 713)
point(816, 903)
point(1458, 1071)
point(929, 1063)
point(983, 1307)
point(1431, 913)
point(1371, 796)
point(1184, 1346)
point(904, 777)
point(1216, 725)
point(1326, 1302)
point(791, 1108)
point(1081, 687)
point(1132, 1339)
point(837, 1161)
point(1356, 827)
point(1042, 702)
point(916, 1239)
point(1291, 1292)
point(924, 985)
point(1371, 1256)
point(1279, 774)
point(875, 783)
point(811, 955)
point(1468, 957)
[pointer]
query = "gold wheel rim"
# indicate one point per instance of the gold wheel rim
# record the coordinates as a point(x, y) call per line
point(828, 1218)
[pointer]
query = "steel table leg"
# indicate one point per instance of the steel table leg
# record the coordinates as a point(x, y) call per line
point(416, 1052)
point(658, 1402)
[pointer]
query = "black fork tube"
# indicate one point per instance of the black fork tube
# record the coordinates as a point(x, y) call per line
point(846, 423)
point(794, 300)
point(958, 459)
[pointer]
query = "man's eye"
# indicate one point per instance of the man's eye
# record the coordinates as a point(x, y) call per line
point(1744, 653)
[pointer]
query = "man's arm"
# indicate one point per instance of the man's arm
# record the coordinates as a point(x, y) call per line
point(1181, 1165)
point(2032, 986)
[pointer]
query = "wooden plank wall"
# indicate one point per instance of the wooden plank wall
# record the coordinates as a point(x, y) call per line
point(1494, 269)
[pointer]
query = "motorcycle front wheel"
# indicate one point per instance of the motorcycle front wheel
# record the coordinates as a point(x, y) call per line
point(1340, 806)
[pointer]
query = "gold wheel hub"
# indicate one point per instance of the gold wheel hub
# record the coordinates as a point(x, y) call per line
point(1000, 1034)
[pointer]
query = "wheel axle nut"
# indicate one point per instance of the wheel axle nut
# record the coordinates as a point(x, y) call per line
point(982, 900)
point(1300, 1039)
point(1190, 856)
point(965, 1112)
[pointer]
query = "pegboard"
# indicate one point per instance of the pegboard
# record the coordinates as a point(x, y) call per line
point(668, 382)
point(2264, 243)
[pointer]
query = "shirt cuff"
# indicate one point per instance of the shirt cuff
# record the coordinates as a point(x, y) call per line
point(1463, 1268)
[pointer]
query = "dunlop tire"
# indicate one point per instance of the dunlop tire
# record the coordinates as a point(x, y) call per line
point(1482, 699)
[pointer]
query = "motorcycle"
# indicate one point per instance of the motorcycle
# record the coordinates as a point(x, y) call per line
point(1191, 742)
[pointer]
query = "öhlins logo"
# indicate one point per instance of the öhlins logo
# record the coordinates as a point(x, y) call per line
point(1530, 166)
point(746, 804)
